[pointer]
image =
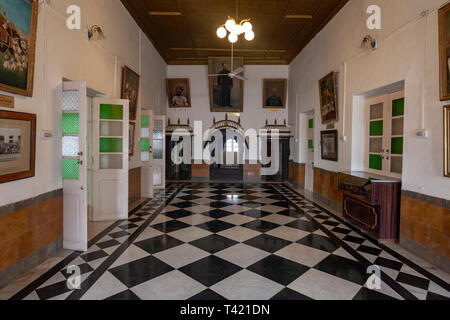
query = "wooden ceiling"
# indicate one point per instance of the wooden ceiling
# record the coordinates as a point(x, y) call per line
point(184, 31)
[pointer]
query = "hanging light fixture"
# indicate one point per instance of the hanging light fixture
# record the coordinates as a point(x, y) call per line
point(236, 29)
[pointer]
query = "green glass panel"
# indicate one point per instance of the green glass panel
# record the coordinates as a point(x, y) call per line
point(145, 121)
point(310, 144)
point(376, 128)
point(111, 145)
point(398, 107)
point(311, 123)
point(71, 123)
point(158, 134)
point(111, 112)
point(397, 145)
point(70, 169)
point(157, 154)
point(375, 162)
point(145, 144)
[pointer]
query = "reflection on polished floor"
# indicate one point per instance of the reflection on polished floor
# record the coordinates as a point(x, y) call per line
point(204, 241)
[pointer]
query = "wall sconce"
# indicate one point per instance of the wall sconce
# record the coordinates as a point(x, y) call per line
point(369, 42)
point(95, 33)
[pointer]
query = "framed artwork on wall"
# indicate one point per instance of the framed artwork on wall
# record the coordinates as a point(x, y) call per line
point(328, 98)
point(132, 132)
point(447, 141)
point(17, 145)
point(444, 51)
point(274, 93)
point(225, 94)
point(329, 144)
point(130, 89)
point(18, 25)
point(178, 93)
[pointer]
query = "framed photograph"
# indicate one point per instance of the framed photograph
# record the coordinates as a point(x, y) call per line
point(18, 25)
point(130, 90)
point(274, 93)
point(131, 136)
point(447, 141)
point(178, 93)
point(328, 98)
point(444, 51)
point(225, 94)
point(329, 144)
point(17, 145)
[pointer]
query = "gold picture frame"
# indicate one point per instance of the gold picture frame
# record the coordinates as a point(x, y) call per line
point(131, 137)
point(272, 89)
point(218, 99)
point(444, 52)
point(17, 46)
point(130, 90)
point(328, 98)
point(447, 141)
point(172, 87)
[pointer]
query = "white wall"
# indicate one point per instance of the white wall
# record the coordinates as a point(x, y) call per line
point(254, 116)
point(400, 57)
point(67, 54)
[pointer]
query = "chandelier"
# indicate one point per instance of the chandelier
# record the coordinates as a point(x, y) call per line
point(236, 29)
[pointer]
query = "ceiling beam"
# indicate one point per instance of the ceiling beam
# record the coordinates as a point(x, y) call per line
point(298, 16)
point(227, 50)
point(165, 13)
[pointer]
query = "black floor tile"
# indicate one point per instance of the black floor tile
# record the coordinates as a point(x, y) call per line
point(388, 263)
point(53, 290)
point(412, 280)
point(319, 242)
point(188, 197)
point(344, 268)
point(207, 295)
point(353, 239)
point(341, 230)
point(216, 226)
point(435, 296)
point(260, 225)
point(158, 244)
point(91, 256)
point(210, 270)
point(108, 244)
point(139, 271)
point(331, 223)
point(219, 204)
point(128, 226)
point(307, 226)
point(370, 250)
point(183, 205)
point(217, 213)
point(125, 296)
point(119, 234)
point(288, 294)
point(213, 243)
point(171, 226)
point(367, 294)
point(268, 243)
point(177, 214)
point(255, 213)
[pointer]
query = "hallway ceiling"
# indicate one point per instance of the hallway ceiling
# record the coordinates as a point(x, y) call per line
point(184, 31)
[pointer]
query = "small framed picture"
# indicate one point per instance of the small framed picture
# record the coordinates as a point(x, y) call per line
point(179, 93)
point(17, 145)
point(274, 93)
point(447, 141)
point(444, 51)
point(130, 90)
point(328, 98)
point(329, 144)
point(131, 137)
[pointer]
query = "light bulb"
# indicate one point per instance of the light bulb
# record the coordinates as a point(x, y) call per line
point(249, 35)
point(247, 26)
point(238, 29)
point(221, 32)
point(230, 25)
point(233, 38)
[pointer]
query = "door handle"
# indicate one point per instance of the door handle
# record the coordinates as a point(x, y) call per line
point(80, 162)
point(82, 188)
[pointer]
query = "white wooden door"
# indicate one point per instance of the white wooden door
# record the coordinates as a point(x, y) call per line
point(309, 165)
point(111, 159)
point(146, 153)
point(159, 152)
point(74, 166)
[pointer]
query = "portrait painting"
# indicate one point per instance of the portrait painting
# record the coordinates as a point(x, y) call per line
point(131, 136)
point(329, 144)
point(444, 51)
point(447, 141)
point(274, 93)
point(328, 98)
point(130, 90)
point(17, 145)
point(18, 25)
point(226, 94)
point(178, 92)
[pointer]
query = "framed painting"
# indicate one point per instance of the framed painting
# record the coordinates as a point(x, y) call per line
point(130, 90)
point(329, 144)
point(328, 98)
point(178, 93)
point(444, 51)
point(17, 145)
point(447, 141)
point(274, 93)
point(225, 94)
point(18, 25)
point(131, 136)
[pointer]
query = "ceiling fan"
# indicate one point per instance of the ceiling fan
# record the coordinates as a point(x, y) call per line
point(234, 73)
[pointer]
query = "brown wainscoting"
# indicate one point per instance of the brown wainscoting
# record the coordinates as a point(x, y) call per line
point(200, 171)
point(297, 174)
point(326, 187)
point(28, 226)
point(425, 227)
point(134, 185)
point(252, 172)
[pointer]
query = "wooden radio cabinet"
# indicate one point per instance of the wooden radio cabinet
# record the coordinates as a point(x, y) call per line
point(372, 203)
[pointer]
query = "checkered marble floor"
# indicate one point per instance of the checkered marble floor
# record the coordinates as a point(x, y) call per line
point(204, 241)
